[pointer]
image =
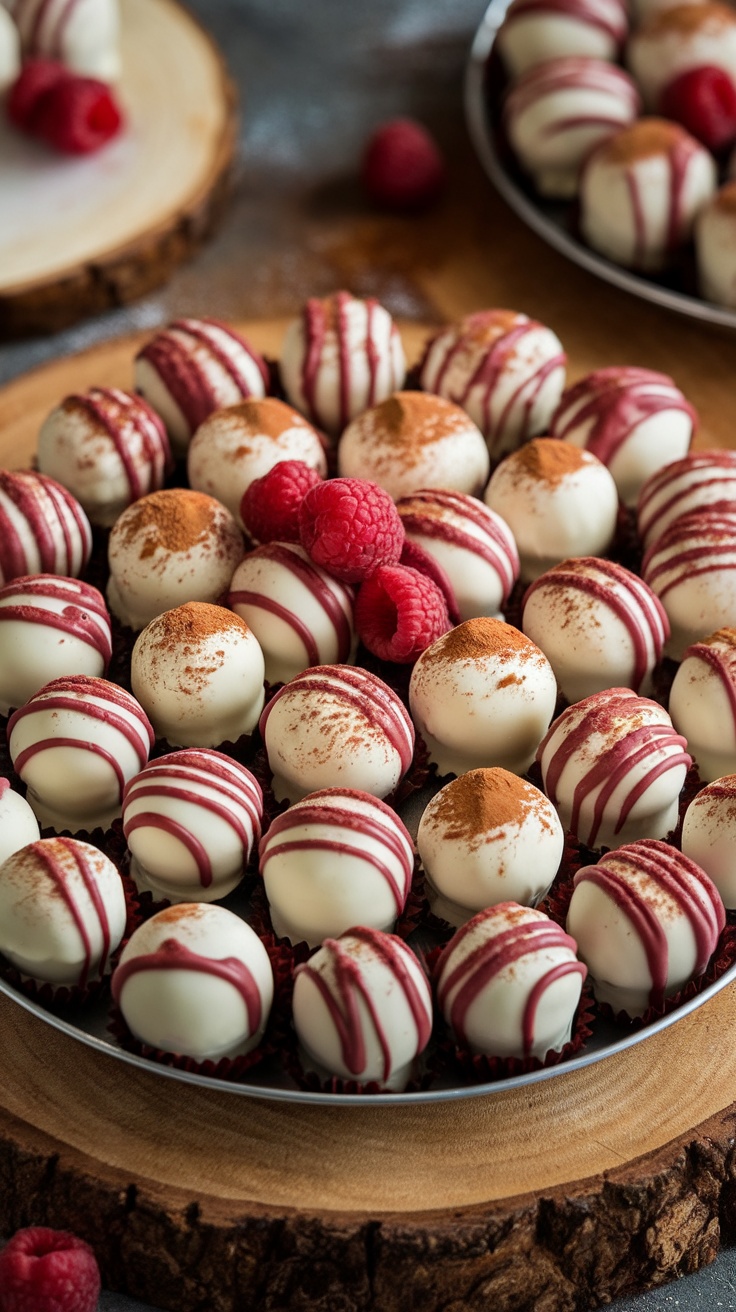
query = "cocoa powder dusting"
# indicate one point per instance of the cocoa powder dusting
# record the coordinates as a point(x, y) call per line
point(174, 520)
point(646, 137)
point(481, 801)
point(411, 420)
point(548, 460)
point(476, 640)
point(187, 625)
point(262, 417)
point(691, 19)
point(721, 638)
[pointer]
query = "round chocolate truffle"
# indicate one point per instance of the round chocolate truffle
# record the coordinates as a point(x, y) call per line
point(534, 31)
point(196, 980)
point(703, 703)
point(18, 824)
point(647, 920)
point(49, 626)
point(678, 38)
point(715, 247)
point(700, 480)
point(709, 835)
point(692, 569)
point(198, 672)
point(363, 1008)
point(43, 528)
point(84, 36)
point(341, 356)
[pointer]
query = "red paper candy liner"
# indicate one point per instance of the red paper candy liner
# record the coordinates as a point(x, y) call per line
point(57, 998)
point(314, 1082)
point(415, 907)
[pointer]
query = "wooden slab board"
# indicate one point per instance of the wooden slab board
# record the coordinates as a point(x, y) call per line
point(553, 1198)
point(79, 235)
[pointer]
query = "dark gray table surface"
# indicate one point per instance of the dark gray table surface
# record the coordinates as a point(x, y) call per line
point(314, 79)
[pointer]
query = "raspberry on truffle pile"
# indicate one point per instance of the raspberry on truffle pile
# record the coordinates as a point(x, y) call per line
point(270, 505)
point(350, 526)
point(399, 613)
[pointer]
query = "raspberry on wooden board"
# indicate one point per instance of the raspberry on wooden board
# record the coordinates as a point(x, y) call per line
point(43, 1270)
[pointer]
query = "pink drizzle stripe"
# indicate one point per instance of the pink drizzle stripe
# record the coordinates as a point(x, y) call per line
point(157, 820)
point(493, 548)
point(722, 665)
point(172, 955)
point(310, 579)
point(166, 824)
point(614, 25)
point(58, 876)
point(315, 331)
point(112, 411)
point(72, 621)
point(44, 505)
point(615, 402)
point(200, 330)
point(572, 73)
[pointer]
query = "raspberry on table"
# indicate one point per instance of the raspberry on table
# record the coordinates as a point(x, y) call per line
point(349, 526)
point(270, 505)
point(78, 115)
point(703, 100)
point(36, 79)
point(399, 613)
point(43, 1270)
point(402, 168)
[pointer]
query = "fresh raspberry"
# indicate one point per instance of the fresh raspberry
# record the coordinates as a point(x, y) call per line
point(417, 558)
point(78, 115)
point(399, 613)
point(402, 168)
point(48, 1271)
point(270, 505)
point(349, 526)
point(37, 78)
point(703, 100)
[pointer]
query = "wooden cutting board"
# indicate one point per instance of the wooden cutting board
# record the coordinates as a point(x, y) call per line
point(553, 1198)
point(80, 235)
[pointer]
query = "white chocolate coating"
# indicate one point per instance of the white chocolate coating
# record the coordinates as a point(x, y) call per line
point(9, 51)
point(194, 367)
point(715, 247)
point(83, 34)
point(340, 357)
point(18, 824)
point(634, 420)
point(598, 625)
point(191, 820)
point(472, 545)
point(640, 192)
point(198, 672)
point(533, 32)
point(698, 481)
point(363, 1008)
point(62, 911)
point(559, 111)
point(558, 502)
point(336, 859)
point(647, 920)
point(299, 614)
point(241, 443)
point(413, 441)
point(49, 626)
point(43, 528)
point(107, 447)
point(336, 725)
point(703, 703)
point(195, 979)
point(692, 569)
point(709, 835)
point(614, 767)
point(505, 369)
point(169, 548)
point(677, 38)
point(509, 982)
point(485, 838)
point(482, 695)
point(75, 744)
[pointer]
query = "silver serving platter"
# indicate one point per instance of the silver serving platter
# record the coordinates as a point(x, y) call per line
point(554, 221)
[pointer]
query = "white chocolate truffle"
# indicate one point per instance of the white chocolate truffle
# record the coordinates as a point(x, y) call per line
point(647, 920)
point(168, 548)
point(300, 615)
point(509, 982)
point(709, 835)
point(485, 838)
point(336, 725)
point(482, 695)
point(703, 703)
point(614, 767)
point(107, 447)
point(195, 980)
point(363, 1008)
point(641, 190)
point(505, 369)
point(235, 446)
point(701, 480)
point(62, 911)
point(558, 502)
point(470, 544)
point(533, 31)
point(692, 569)
point(336, 859)
point(75, 744)
point(198, 672)
point(633, 420)
point(18, 824)
point(598, 625)
point(413, 441)
point(49, 626)
point(340, 357)
point(82, 34)
point(559, 111)
point(191, 820)
point(193, 367)
point(715, 247)
point(43, 528)
point(9, 51)
point(676, 39)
